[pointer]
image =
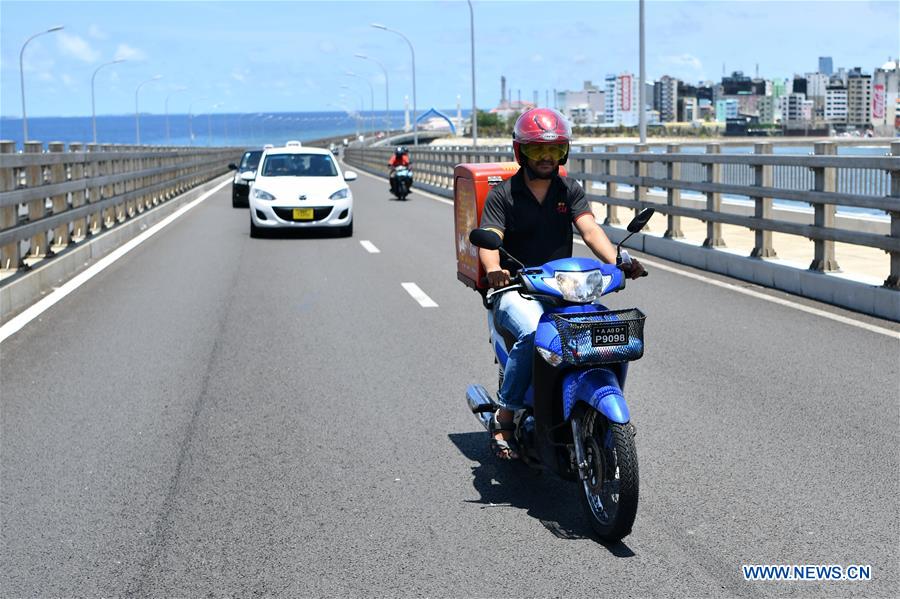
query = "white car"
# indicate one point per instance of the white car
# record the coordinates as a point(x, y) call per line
point(296, 187)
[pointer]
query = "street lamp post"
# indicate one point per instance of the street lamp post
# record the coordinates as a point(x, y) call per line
point(641, 91)
point(474, 106)
point(22, 80)
point(371, 101)
point(387, 103)
point(361, 105)
point(93, 109)
point(413, 53)
point(175, 91)
point(137, 113)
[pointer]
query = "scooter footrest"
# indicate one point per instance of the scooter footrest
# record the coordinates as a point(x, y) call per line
point(487, 407)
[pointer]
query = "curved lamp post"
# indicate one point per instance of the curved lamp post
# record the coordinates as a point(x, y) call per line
point(413, 52)
point(387, 105)
point(137, 114)
point(474, 107)
point(361, 104)
point(93, 109)
point(372, 99)
point(22, 80)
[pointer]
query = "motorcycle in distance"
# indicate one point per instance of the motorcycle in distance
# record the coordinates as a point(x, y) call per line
point(401, 181)
point(575, 422)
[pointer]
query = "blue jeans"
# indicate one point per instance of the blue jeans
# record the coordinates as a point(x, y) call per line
point(520, 317)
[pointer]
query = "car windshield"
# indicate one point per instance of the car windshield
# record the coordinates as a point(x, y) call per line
point(251, 160)
point(299, 165)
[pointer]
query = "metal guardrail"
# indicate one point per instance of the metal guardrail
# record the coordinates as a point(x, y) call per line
point(823, 180)
point(52, 199)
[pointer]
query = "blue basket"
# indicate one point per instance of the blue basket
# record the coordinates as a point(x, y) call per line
point(601, 337)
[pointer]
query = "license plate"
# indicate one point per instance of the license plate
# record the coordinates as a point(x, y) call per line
point(303, 213)
point(609, 334)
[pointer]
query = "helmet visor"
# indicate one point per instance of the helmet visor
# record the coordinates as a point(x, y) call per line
point(537, 152)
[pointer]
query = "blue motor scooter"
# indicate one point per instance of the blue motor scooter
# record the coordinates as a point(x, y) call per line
point(575, 422)
point(401, 180)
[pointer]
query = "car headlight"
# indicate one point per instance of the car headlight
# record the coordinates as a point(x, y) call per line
point(342, 194)
point(259, 194)
point(582, 287)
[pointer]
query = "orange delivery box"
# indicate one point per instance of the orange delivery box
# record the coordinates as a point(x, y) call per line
point(471, 184)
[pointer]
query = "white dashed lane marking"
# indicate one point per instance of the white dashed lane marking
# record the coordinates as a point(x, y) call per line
point(419, 295)
point(370, 247)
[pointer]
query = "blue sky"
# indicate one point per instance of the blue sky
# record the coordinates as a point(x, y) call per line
point(291, 56)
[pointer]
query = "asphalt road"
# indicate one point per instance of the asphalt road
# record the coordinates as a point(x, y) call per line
point(217, 415)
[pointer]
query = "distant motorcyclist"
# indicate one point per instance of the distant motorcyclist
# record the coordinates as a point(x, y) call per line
point(399, 158)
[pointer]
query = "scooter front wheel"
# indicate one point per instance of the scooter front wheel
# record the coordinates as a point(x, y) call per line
point(610, 489)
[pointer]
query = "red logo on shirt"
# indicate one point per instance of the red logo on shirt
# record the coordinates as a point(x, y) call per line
point(562, 208)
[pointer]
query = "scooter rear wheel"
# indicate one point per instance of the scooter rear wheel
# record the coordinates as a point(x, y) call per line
point(610, 491)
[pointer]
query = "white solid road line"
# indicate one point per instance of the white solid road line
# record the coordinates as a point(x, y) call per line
point(419, 295)
point(737, 288)
point(769, 298)
point(370, 247)
point(15, 324)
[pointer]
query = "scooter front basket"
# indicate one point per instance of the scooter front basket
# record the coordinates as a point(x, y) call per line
point(601, 337)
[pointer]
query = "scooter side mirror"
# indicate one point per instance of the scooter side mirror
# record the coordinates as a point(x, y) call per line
point(640, 221)
point(485, 239)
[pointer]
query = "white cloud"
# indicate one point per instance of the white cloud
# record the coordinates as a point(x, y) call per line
point(126, 52)
point(580, 59)
point(537, 58)
point(683, 63)
point(237, 76)
point(76, 47)
point(95, 32)
point(67, 79)
point(327, 47)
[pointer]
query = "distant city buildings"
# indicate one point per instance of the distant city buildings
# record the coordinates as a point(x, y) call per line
point(837, 100)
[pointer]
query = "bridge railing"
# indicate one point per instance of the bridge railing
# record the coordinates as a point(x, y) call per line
point(639, 178)
point(52, 199)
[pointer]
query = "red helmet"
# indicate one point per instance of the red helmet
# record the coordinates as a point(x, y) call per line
point(541, 126)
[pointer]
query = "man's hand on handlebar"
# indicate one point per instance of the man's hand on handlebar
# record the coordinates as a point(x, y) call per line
point(498, 278)
point(633, 269)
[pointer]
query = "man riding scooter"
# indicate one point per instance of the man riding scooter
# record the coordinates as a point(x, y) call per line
point(400, 160)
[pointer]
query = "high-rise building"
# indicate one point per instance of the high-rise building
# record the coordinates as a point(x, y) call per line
point(836, 104)
point(795, 108)
point(585, 106)
point(815, 91)
point(736, 84)
point(665, 98)
point(621, 100)
point(799, 85)
point(859, 98)
point(726, 109)
point(769, 110)
point(885, 96)
point(825, 65)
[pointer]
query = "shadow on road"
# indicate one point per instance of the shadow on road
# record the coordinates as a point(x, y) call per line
point(286, 233)
point(544, 496)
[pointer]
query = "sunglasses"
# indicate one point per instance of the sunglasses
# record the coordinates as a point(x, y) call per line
point(553, 152)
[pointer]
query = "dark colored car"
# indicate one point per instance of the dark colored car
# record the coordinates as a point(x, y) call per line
point(240, 189)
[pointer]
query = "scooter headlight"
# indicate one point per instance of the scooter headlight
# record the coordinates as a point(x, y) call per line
point(582, 287)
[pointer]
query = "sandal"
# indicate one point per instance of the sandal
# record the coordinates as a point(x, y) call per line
point(504, 449)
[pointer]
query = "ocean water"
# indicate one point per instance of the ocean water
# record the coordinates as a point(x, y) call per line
point(240, 130)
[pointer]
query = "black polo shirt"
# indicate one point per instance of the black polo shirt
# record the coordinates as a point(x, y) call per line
point(534, 232)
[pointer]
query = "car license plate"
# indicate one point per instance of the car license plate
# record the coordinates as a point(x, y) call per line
point(303, 213)
point(609, 334)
